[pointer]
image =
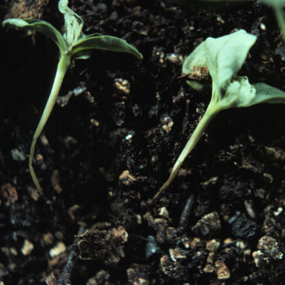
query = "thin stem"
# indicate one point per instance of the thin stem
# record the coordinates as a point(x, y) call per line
point(198, 132)
point(280, 19)
point(62, 67)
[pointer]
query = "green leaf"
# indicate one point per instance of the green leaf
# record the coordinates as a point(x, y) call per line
point(106, 43)
point(195, 85)
point(38, 26)
point(84, 54)
point(274, 3)
point(226, 56)
point(72, 22)
point(92, 35)
point(267, 94)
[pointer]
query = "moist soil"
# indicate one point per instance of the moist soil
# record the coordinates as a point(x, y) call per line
point(105, 152)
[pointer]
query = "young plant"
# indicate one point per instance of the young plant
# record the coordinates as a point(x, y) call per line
point(223, 58)
point(73, 44)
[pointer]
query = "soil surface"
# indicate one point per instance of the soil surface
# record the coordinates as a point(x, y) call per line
point(110, 144)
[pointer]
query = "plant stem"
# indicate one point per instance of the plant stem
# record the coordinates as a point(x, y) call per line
point(62, 67)
point(198, 132)
point(280, 18)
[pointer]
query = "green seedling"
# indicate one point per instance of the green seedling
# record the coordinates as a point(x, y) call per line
point(73, 44)
point(277, 6)
point(223, 57)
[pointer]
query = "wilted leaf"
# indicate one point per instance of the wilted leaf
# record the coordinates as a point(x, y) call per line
point(38, 26)
point(72, 22)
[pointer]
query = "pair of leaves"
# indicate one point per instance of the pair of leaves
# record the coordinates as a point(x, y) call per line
point(73, 42)
point(224, 57)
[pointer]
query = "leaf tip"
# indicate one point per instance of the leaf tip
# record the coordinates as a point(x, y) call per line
point(5, 23)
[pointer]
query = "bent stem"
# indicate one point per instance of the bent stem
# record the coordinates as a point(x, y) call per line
point(62, 67)
point(209, 115)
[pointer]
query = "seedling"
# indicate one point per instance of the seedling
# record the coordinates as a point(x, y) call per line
point(73, 44)
point(223, 57)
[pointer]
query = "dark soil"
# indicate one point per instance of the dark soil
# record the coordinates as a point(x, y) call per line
point(105, 153)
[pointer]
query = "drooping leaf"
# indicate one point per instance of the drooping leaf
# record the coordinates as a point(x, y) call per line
point(73, 23)
point(38, 26)
point(106, 43)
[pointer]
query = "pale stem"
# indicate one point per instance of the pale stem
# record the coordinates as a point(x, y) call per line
point(62, 67)
point(198, 132)
point(280, 18)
